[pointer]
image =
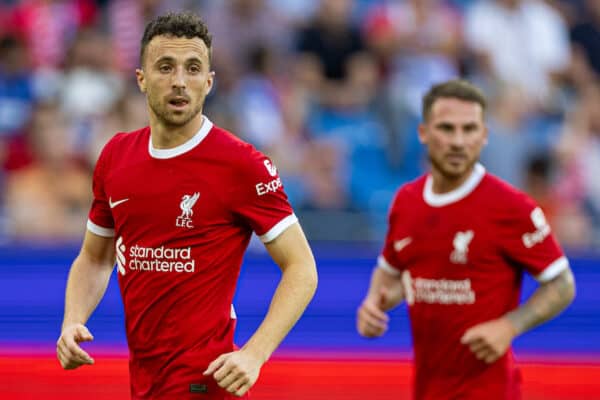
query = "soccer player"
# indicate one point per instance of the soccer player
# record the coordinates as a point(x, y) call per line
point(458, 242)
point(175, 205)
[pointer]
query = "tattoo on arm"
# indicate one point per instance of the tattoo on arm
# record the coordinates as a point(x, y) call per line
point(546, 302)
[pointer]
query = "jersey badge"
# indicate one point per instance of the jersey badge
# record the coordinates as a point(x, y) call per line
point(461, 246)
point(187, 203)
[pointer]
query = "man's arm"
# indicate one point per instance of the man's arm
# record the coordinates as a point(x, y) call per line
point(385, 292)
point(549, 300)
point(86, 285)
point(490, 340)
point(238, 371)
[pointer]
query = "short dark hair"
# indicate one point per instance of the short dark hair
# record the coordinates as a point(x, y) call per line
point(184, 24)
point(456, 89)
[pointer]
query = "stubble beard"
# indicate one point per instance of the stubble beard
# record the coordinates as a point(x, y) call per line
point(170, 119)
point(451, 175)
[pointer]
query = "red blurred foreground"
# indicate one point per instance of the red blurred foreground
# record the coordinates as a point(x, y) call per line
point(283, 378)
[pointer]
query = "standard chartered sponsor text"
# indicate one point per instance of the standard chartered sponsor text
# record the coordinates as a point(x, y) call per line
point(161, 259)
point(443, 291)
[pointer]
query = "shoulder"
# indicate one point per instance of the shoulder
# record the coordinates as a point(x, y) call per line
point(500, 195)
point(234, 149)
point(241, 158)
point(125, 139)
point(498, 187)
point(409, 193)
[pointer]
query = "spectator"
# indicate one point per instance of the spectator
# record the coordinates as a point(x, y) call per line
point(519, 42)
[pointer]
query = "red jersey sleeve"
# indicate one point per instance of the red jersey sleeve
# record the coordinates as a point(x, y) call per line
point(530, 243)
point(260, 199)
point(100, 219)
point(388, 259)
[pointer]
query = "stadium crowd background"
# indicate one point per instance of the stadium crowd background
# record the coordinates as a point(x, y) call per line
point(330, 89)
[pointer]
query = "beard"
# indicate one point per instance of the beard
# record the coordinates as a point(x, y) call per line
point(172, 118)
point(452, 174)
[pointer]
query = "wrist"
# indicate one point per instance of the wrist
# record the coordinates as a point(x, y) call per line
point(512, 324)
point(254, 351)
point(68, 322)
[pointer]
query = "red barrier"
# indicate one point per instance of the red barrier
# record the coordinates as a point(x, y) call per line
point(283, 378)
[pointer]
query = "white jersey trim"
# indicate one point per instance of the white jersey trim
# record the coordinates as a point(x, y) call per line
point(99, 230)
point(279, 228)
point(232, 313)
point(553, 270)
point(443, 199)
point(386, 266)
point(182, 148)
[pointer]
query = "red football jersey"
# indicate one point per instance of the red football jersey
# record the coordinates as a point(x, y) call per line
point(182, 219)
point(461, 256)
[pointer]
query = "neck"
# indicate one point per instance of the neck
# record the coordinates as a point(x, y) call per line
point(442, 183)
point(165, 136)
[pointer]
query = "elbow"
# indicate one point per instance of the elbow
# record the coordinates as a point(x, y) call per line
point(569, 290)
point(570, 295)
point(312, 279)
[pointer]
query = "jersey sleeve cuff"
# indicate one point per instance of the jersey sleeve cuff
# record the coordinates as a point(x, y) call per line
point(553, 270)
point(279, 228)
point(99, 230)
point(386, 266)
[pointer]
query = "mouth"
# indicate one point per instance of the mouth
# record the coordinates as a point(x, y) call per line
point(178, 103)
point(456, 158)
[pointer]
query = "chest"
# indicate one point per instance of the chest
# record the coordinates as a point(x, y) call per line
point(165, 196)
point(447, 243)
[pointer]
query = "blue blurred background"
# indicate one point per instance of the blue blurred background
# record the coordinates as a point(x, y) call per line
point(32, 284)
point(330, 89)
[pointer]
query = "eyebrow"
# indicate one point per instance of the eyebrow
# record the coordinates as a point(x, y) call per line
point(171, 59)
point(445, 125)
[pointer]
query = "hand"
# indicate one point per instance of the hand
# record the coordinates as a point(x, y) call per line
point(68, 351)
point(490, 340)
point(235, 372)
point(371, 320)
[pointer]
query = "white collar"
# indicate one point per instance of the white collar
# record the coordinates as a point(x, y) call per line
point(443, 199)
point(184, 147)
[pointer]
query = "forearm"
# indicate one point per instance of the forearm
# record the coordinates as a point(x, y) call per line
point(391, 284)
point(546, 302)
point(295, 290)
point(86, 285)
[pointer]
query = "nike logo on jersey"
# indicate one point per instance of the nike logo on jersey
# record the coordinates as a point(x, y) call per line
point(116, 203)
point(402, 243)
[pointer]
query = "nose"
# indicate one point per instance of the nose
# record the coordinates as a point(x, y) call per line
point(458, 139)
point(179, 79)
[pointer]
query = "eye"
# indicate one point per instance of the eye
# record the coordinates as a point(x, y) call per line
point(194, 68)
point(470, 128)
point(165, 68)
point(446, 128)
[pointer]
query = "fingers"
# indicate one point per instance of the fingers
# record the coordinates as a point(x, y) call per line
point(68, 351)
point(216, 364)
point(482, 347)
point(470, 336)
point(230, 374)
point(371, 321)
point(233, 381)
point(487, 354)
point(82, 334)
point(243, 389)
point(477, 345)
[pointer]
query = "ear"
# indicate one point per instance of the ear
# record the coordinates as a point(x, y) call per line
point(210, 81)
point(485, 135)
point(141, 81)
point(422, 133)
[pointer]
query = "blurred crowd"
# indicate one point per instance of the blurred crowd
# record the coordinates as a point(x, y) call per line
point(330, 89)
